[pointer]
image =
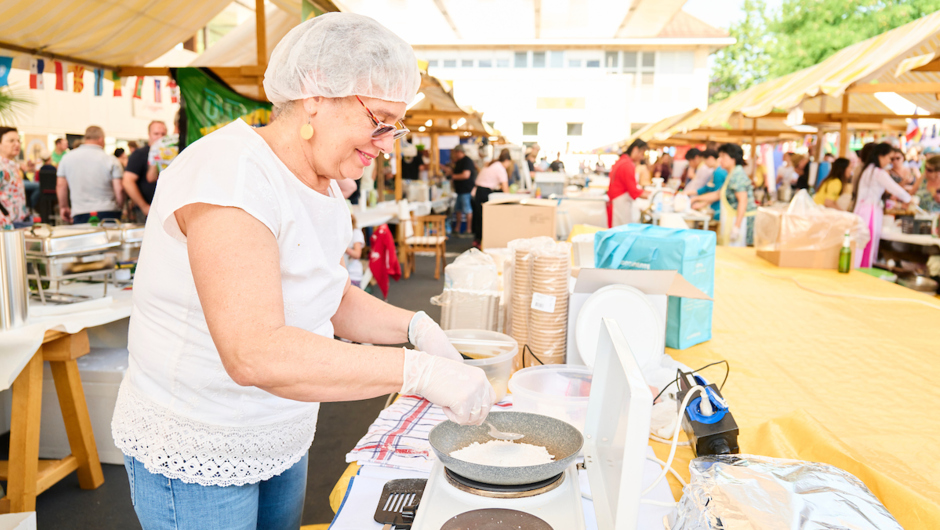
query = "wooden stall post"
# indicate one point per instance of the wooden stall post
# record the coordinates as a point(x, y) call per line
point(398, 170)
point(754, 149)
point(435, 169)
point(261, 44)
point(844, 127)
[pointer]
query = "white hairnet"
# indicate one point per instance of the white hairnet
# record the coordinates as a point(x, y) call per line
point(337, 55)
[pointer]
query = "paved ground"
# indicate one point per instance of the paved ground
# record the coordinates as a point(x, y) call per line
point(340, 427)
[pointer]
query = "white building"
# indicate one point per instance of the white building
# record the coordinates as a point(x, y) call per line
point(572, 75)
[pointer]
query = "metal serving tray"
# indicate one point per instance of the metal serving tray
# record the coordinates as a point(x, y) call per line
point(124, 232)
point(69, 267)
point(43, 240)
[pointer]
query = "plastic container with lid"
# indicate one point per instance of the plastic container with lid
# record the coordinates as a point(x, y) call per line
point(493, 352)
point(560, 391)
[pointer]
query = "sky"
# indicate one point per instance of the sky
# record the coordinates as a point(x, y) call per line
point(721, 13)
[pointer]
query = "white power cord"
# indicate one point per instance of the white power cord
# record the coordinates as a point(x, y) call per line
point(665, 441)
point(671, 470)
point(675, 436)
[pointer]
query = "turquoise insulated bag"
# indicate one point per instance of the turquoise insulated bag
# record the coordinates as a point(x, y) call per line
point(648, 247)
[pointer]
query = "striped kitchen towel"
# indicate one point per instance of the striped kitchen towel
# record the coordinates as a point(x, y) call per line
point(399, 437)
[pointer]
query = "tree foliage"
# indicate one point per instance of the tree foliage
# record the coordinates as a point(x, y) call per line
point(803, 33)
point(746, 62)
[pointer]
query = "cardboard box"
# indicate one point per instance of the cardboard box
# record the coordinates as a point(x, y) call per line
point(510, 218)
point(658, 286)
point(805, 259)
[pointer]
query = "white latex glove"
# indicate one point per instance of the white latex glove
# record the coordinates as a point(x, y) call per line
point(428, 337)
point(461, 390)
point(735, 233)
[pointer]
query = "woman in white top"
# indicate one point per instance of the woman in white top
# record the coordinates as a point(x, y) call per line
point(872, 184)
point(240, 290)
point(493, 178)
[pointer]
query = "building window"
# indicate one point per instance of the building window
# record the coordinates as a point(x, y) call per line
point(502, 63)
point(450, 63)
point(682, 62)
point(647, 78)
point(574, 129)
point(649, 60)
point(558, 59)
point(611, 59)
point(486, 63)
point(466, 63)
point(530, 128)
point(594, 63)
point(629, 62)
point(574, 63)
point(538, 59)
point(522, 59)
point(432, 63)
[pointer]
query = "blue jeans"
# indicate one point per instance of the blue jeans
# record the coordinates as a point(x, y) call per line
point(463, 204)
point(162, 503)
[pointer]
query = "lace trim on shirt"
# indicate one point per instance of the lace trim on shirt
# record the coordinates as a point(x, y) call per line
point(209, 455)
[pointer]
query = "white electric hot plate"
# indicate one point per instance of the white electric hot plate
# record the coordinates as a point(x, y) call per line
point(632, 310)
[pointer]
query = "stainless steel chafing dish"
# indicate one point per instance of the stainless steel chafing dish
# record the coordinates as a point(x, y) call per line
point(47, 241)
point(58, 253)
point(129, 236)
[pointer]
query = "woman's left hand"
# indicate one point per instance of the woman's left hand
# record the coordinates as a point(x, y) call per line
point(428, 337)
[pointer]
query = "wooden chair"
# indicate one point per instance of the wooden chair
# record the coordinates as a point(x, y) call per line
point(430, 235)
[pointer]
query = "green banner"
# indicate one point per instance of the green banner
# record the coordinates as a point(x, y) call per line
point(211, 104)
point(308, 10)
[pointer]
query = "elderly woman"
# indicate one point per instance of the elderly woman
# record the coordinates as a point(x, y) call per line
point(12, 188)
point(240, 290)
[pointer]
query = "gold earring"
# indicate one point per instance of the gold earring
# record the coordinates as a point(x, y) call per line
point(306, 130)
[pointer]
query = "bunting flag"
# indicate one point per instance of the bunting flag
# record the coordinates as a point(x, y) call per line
point(78, 78)
point(157, 94)
point(36, 66)
point(6, 64)
point(139, 88)
point(117, 82)
point(60, 70)
point(174, 91)
point(99, 81)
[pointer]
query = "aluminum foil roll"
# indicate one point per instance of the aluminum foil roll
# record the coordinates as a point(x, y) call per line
point(747, 492)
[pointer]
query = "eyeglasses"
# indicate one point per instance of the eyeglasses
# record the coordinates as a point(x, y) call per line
point(381, 129)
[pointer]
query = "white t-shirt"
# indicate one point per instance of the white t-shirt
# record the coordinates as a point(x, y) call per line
point(90, 173)
point(353, 265)
point(178, 411)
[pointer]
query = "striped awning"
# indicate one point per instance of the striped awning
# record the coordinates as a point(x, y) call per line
point(104, 32)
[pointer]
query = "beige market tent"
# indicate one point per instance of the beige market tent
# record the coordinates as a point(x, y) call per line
point(838, 93)
point(124, 35)
point(239, 48)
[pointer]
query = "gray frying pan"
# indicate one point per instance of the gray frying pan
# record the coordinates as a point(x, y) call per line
point(562, 440)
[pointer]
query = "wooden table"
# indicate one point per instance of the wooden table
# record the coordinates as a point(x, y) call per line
point(26, 475)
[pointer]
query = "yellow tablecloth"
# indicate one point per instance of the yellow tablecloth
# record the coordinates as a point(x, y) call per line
point(844, 381)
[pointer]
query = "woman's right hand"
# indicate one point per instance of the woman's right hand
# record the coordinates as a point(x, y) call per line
point(463, 391)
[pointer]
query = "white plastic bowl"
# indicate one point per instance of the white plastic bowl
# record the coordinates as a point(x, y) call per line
point(493, 352)
point(558, 390)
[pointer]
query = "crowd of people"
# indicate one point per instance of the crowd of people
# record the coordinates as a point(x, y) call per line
point(85, 180)
point(878, 177)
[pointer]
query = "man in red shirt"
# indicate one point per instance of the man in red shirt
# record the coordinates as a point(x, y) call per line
point(623, 186)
